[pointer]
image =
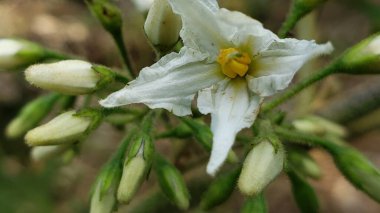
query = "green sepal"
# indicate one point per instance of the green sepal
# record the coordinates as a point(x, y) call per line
point(256, 204)
point(94, 115)
point(107, 76)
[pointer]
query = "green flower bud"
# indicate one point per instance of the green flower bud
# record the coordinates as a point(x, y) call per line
point(220, 189)
point(103, 203)
point(363, 58)
point(108, 14)
point(262, 164)
point(71, 77)
point(162, 26)
point(255, 204)
point(302, 162)
point(43, 153)
point(133, 175)
point(30, 115)
point(172, 183)
point(66, 128)
point(136, 166)
point(303, 193)
point(15, 53)
point(357, 169)
point(319, 126)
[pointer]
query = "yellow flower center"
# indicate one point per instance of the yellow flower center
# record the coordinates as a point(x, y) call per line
point(233, 62)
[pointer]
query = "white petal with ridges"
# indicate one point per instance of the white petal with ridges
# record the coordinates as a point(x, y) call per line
point(201, 28)
point(273, 69)
point(232, 108)
point(171, 83)
point(246, 33)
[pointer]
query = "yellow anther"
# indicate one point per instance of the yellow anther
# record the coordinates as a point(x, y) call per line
point(233, 62)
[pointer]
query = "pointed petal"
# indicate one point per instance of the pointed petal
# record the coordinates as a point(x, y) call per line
point(171, 83)
point(274, 68)
point(245, 32)
point(201, 29)
point(232, 108)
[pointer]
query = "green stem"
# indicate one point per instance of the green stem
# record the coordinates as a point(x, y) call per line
point(289, 23)
point(121, 78)
point(300, 86)
point(50, 54)
point(118, 37)
point(302, 138)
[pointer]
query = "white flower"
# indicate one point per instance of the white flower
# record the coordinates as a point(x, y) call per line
point(72, 77)
point(230, 60)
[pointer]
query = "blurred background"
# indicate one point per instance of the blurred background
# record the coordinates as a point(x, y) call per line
point(67, 26)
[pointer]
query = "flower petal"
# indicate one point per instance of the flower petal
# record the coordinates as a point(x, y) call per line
point(273, 69)
point(245, 32)
point(171, 83)
point(201, 29)
point(232, 108)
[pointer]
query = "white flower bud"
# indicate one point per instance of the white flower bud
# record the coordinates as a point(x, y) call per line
point(15, 53)
point(162, 26)
point(319, 126)
point(143, 5)
point(43, 153)
point(72, 77)
point(260, 167)
point(103, 202)
point(363, 58)
point(63, 129)
point(133, 175)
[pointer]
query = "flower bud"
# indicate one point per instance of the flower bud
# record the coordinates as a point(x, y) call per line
point(103, 200)
point(68, 127)
point(136, 166)
point(172, 183)
point(363, 58)
point(143, 5)
point(30, 115)
point(220, 189)
point(302, 162)
point(43, 153)
point(133, 175)
point(304, 193)
point(71, 77)
point(162, 26)
point(357, 169)
point(262, 164)
point(15, 53)
point(108, 14)
point(255, 204)
point(319, 126)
